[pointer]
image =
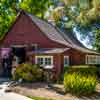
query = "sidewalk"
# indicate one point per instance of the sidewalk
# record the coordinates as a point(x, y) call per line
point(13, 96)
point(4, 83)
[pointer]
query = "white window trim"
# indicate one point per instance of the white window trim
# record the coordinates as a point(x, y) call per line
point(88, 59)
point(43, 59)
point(67, 60)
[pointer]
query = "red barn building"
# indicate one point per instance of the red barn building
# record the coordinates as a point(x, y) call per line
point(39, 42)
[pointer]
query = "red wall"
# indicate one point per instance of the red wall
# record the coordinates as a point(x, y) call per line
point(24, 31)
point(57, 62)
point(75, 57)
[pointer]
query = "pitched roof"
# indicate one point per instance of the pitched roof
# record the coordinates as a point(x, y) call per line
point(49, 30)
point(71, 37)
point(76, 44)
point(65, 37)
point(55, 34)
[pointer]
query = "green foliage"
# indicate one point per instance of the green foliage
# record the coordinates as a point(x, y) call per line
point(36, 7)
point(28, 73)
point(85, 14)
point(97, 39)
point(86, 11)
point(84, 70)
point(78, 83)
point(8, 11)
point(7, 15)
point(81, 69)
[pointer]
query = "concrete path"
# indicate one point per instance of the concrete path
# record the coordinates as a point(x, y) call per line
point(13, 96)
point(4, 83)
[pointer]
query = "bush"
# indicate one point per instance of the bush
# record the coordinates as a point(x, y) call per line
point(78, 83)
point(84, 71)
point(28, 73)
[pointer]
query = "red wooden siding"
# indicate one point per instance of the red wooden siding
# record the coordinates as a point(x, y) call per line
point(75, 57)
point(24, 31)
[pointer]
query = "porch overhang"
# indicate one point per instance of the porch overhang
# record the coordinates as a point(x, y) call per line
point(49, 51)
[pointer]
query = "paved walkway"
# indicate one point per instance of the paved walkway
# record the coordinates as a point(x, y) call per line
point(13, 96)
point(4, 83)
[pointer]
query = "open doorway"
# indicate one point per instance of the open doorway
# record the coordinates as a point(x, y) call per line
point(8, 55)
point(20, 54)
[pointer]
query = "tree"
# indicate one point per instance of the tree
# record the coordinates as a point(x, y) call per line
point(7, 15)
point(84, 16)
point(8, 11)
point(85, 12)
point(36, 7)
point(97, 39)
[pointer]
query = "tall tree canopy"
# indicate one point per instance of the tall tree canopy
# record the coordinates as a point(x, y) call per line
point(8, 11)
point(36, 7)
point(7, 15)
point(82, 16)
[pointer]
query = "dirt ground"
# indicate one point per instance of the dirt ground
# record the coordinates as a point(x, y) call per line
point(55, 92)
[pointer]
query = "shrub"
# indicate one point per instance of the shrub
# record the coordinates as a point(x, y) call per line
point(78, 83)
point(28, 73)
point(84, 71)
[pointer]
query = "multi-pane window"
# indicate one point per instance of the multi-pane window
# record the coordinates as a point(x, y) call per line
point(48, 61)
point(66, 60)
point(40, 61)
point(92, 59)
point(44, 60)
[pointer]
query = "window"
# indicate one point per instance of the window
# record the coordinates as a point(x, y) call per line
point(40, 61)
point(44, 60)
point(66, 60)
point(92, 59)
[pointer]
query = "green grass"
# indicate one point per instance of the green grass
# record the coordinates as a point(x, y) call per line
point(38, 98)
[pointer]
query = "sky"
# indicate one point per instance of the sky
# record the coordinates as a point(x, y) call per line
point(84, 41)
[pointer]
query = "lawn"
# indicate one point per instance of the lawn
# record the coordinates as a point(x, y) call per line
point(38, 98)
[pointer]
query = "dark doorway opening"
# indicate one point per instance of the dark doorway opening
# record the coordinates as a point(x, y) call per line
point(20, 53)
point(7, 60)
